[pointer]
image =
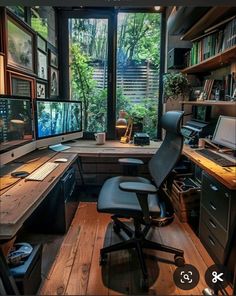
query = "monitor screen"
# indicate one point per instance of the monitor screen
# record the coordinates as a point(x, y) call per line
point(202, 113)
point(225, 132)
point(15, 122)
point(54, 118)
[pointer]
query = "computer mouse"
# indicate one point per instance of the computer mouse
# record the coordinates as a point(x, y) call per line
point(61, 160)
point(19, 252)
point(19, 174)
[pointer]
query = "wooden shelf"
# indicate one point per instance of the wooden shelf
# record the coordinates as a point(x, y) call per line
point(209, 19)
point(220, 60)
point(209, 103)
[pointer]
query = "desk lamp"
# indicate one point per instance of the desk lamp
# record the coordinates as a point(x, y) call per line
point(121, 123)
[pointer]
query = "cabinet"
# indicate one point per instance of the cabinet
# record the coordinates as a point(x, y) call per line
point(217, 217)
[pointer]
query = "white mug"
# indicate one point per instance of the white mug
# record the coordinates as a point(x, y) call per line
point(100, 138)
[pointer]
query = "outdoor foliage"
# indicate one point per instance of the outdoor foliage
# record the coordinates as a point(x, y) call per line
point(138, 41)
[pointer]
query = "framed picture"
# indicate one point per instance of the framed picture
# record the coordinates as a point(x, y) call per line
point(42, 65)
point(53, 59)
point(41, 90)
point(2, 75)
point(41, 44)
point(20, 47)
point(54, 82)
point(21, 85)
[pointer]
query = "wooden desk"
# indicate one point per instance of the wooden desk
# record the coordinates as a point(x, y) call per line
point(19, 197)
point(225, 175)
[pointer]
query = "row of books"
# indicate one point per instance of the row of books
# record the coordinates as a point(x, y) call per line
point(212, 44)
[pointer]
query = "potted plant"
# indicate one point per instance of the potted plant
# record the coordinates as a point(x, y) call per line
point(176, 86)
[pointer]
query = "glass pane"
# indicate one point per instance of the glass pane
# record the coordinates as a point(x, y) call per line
point(138, 53)
point(18, 10)
point(43, 22)
point(88, 70)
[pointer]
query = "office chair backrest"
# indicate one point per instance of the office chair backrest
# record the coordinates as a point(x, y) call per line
point(166, 157)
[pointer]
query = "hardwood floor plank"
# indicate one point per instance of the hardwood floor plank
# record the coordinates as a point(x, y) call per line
point(78, 280)
point(59, 274)
point(103, 237)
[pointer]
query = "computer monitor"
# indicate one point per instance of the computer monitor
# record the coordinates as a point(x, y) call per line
point(57, 121)
point(16, 128)
point(202, 113)
point(225, 132)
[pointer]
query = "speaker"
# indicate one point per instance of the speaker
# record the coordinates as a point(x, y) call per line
point(176, 58)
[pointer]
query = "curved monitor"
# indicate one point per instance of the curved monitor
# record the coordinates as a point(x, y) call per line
point(57, 121)
point(16, 128)
point(225, 132)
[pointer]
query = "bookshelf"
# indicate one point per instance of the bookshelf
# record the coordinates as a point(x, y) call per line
point(209, 103)
point(219, 60)
point(213, 15)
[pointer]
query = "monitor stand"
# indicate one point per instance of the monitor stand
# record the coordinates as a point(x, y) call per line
point(58, 147)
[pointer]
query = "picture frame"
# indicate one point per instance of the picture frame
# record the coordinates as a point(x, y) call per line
point(53, 82)
point(53, 59)
point(2, 75)
point(42, 66)
point(41, 89)
point(20, 46)
point(21, 85)
point(41, 43)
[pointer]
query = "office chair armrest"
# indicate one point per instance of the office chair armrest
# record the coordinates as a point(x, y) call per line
point(142, 190)
point(130, 161)
point(138, 187)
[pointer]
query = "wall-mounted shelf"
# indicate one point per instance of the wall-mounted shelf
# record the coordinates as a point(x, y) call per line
point(220, 60)
point(209, 103)
point(211, 16)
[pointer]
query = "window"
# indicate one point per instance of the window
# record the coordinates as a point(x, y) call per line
point(88, 52)
point(137, 79)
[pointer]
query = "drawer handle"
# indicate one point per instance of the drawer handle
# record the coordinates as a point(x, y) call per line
point(213, 187)
point(212, 206)
point(211, 241)
point(212, 223)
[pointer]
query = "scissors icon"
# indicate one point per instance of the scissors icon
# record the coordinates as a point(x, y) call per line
point(217, 277)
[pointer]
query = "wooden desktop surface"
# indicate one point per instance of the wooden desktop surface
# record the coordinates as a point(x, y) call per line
point(19, 197)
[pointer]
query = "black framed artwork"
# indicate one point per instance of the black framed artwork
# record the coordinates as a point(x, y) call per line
point(42, 65)
point(53, 82)
point(20, 46)
point(41, 44)
point(53, 59)
point(41, 89)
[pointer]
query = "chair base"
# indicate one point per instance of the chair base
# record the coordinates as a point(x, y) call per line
point(138, 241)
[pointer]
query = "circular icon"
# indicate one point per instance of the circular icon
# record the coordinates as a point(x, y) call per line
point(217, 277)
point(186, 277)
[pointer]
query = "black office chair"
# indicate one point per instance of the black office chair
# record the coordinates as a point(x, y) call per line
point(135, 197)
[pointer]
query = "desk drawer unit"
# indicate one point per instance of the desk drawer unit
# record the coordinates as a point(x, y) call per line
point(217, 216)
point(216, 199)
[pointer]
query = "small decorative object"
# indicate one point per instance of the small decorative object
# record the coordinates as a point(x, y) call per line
point(175, 85)
point(41, 90)
point(42, 65)
point(54, 84)
point(20, 46)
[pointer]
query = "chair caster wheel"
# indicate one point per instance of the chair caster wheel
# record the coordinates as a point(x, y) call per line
point(179, 260)
point(103, 260)
point(116, 228)
point(144, 284)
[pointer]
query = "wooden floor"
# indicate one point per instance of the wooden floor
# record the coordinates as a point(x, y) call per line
point(76, 270)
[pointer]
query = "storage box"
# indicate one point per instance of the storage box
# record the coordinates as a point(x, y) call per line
point(185, 197)
point(28, 274)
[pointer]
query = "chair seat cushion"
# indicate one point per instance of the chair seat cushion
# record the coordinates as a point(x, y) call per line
point(115, 201)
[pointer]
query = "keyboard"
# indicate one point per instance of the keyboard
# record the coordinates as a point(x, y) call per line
point(42, 172)
point(220, 160)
